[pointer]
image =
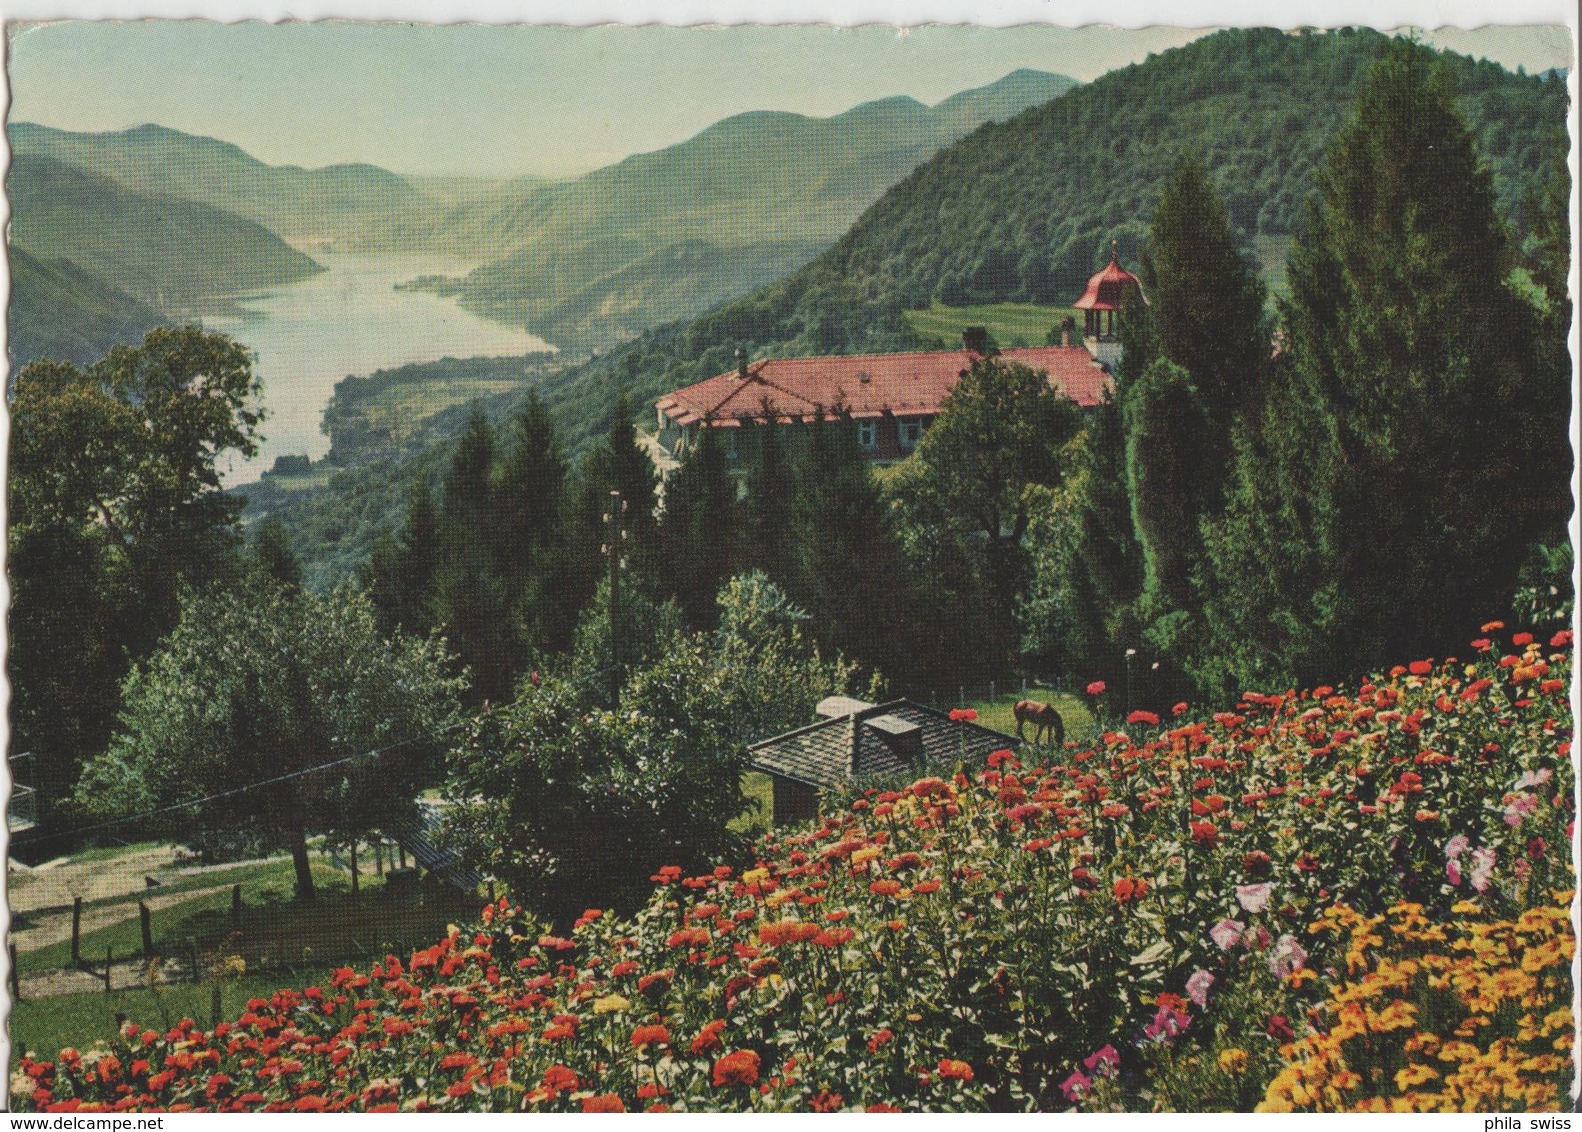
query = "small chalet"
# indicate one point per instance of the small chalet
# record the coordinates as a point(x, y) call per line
point(892, 397)
point(857, 740)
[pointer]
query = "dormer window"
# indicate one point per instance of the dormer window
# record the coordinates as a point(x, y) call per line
point(910, 430)
point(868, 434)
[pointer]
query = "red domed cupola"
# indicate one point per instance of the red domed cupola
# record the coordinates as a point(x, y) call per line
point(1108, 291)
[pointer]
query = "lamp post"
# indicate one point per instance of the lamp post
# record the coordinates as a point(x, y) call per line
point(1129, 654)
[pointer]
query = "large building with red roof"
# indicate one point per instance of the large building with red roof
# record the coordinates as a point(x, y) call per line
point(892, 398)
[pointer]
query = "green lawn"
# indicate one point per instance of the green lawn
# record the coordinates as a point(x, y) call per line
point(760, 788)
point(317, 478)
point(997, 713)
point(47, 1025)
point(1011, 324)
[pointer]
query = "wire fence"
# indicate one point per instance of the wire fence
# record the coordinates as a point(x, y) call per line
point(996, 691)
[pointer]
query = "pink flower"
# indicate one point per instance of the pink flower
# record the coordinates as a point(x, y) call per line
point(1096, 688)
point(1103, 1062)
point(1453, 872)
point(1197, 987)
point(1482, 869)
point(1076, 1086)
point(1456, 846)
point(1521, 805)
point(1287, 956)
point(1254, 897)
point(1226, 933)
point(1534, 778)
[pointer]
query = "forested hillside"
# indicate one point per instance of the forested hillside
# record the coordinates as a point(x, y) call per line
point(666, 234)
point(60, 311)
point(349, 206)
point(167, 253)
point(1025, 210)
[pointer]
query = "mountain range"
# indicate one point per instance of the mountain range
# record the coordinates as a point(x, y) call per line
point(177, 221)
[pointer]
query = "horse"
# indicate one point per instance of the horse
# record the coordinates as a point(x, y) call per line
point(1044, 718)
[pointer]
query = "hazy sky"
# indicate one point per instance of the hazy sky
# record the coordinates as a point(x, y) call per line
point(507, 100)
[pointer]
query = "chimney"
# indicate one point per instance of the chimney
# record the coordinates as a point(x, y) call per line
point(741, 363)
point(975, 339)
point(902, 737)
point(1068, 329)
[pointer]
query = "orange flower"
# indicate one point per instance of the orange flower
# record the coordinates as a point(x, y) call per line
point(1128, 889)
point(604, 1102)
point(709, 1037)
point(737, 1068)
point(950, 1067)
point(650, 1036)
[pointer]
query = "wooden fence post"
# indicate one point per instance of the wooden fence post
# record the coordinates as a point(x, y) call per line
point(145, 921)
point(76, 931)
point(214, 1006)
point(16, 979)
point(192, 944)
point(402, 848)
point(109, 961)
point(379, 857)
point(236, 904)
point(354, 866)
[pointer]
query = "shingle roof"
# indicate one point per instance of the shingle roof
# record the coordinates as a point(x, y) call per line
point(838, 750)
point(867, 385)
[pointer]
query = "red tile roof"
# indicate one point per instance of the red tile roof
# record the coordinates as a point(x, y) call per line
point(1110, 289)
point(868, 385)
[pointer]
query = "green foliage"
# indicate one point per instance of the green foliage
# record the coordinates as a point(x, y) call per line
point(963, 503)
point(113, 507)
point(1421, 426)
point(273, 558)
point(260, 683)
point(700, 527)
point(1168, 436)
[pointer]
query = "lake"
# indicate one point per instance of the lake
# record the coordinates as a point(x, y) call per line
point(306, 336)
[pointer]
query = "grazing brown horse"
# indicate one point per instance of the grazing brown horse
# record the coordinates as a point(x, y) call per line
point(1044, 718)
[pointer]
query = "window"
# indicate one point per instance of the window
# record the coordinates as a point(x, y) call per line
point(868, 434)
point(911, 431)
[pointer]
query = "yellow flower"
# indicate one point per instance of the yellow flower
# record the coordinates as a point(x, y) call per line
point(863, 856)
point(611, 1004)
point(1233, 1061)
point(1414, 1075)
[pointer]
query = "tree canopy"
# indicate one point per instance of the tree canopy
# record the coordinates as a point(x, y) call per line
point(268, 685)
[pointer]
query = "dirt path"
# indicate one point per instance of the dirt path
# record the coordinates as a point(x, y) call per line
point(52, 884)
point(54, 926)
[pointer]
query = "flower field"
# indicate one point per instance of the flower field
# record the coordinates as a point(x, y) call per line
point(1330, 899)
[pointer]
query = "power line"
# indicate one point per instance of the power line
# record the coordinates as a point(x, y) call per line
point(236, 790)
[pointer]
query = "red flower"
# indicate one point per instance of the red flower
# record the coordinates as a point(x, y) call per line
point(826, 1102)
point(737, 1068)
point(1420, 667)
point(1127, 889)
point(1205, 833)
point(1521, 639)
point(559, 1078)
point(963, 715)
point(604, 1102)
point(709, 1037)
point(950, 1067)
point(1140, 716)
point(1096, 688)
point(881, 1107)
point(650, 1035)
point(880, 1038)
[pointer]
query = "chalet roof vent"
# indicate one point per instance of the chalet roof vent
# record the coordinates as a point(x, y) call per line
point(741, 363)
point(904, 738)
point(833, 707)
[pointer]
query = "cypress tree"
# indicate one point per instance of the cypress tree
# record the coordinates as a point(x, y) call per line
point(771, 504)
point(699, 526)
point(1382, 510)
point(1167, 429)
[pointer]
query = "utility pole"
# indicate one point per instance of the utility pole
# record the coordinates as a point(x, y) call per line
point(614, 540)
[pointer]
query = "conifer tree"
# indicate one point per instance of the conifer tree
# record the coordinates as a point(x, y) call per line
point(1383, 506)
point(698, 530)
point(770, 504)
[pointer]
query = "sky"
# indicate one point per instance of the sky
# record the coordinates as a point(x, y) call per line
point(509, 100)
